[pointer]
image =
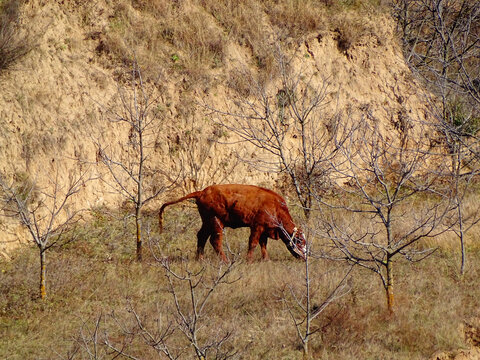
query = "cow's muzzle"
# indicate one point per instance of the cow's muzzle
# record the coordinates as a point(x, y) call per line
point(296, 245)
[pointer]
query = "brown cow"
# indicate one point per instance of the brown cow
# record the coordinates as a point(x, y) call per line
point(234, 206)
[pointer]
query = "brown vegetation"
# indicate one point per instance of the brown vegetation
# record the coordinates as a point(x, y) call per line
point(94, 280)
point(15, 41)
point(312, 97)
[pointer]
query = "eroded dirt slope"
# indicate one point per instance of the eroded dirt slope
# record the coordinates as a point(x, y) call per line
point(53, 101)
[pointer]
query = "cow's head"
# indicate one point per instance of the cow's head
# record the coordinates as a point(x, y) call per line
point(297, 244)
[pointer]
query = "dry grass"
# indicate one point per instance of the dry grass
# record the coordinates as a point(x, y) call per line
point(176, 36)
point(15, 41)
point(95, 279)
point(191, 37)
point(297, 18)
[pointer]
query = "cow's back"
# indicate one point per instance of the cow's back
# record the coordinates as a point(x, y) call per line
point(240, 205)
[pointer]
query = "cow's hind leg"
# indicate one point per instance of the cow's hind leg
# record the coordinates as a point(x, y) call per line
point(216, 238)
point(263, 246)
point(202, 237)
point(255, 235)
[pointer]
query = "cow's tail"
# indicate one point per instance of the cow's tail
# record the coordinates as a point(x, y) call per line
point(193, 195)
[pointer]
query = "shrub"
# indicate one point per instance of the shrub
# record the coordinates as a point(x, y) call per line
point(14, 43)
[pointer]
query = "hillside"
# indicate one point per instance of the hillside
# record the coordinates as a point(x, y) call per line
point(110, 108)
point(55, 98)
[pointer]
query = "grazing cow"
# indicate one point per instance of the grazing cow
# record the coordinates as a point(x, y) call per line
point(234, 206)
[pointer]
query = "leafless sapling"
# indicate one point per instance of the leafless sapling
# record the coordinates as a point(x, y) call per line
point(129, 161)
point(180, 325)
point(387, 202)
point(303, 304)
point(45, 211)
point(441, 41)
point(190, 316)
point(461, 173)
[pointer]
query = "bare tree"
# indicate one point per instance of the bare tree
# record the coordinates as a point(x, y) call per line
point(185, 318)
point(178, 327)
point(441, 41)
point(158, 337)
point(44, 211)
point(87, 344)
point(285, 118)
point(463, 168)
point(111, 336)
point(387, 202)
point(189, 316)
point(132, 171)
point(303, 305)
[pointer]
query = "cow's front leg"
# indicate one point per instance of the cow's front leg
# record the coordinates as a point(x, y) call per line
point(255, 235)
point(263, 246)
point(216, 239)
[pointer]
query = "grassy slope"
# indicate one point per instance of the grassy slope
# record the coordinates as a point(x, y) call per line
point(94, 278)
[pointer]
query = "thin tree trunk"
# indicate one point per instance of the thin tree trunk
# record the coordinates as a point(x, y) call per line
point(43, 272)
point(462, 239)
point(139, 234)
point(139, 203)
point(457, 168)
point(306, 354)
point(389, 287)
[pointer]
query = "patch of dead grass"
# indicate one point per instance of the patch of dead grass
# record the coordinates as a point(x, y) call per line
point(191, 37)
point(85, 284)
